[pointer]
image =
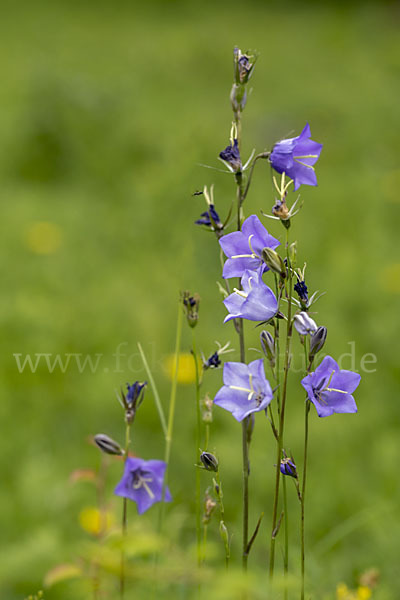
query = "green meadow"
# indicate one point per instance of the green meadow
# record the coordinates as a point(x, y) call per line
point(108, 112)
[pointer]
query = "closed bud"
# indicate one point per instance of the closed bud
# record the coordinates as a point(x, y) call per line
point(238, 97)
point(268, 346)
point(223, 531)
point(304, 324)
point(293, 254)
point(191, 305)
point(317, 341)
point(107, 444)
point(206, 405)
point(210, 462)
point(274, 261)
point(288, 467)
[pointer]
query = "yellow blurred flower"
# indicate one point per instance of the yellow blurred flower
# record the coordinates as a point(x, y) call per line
point(390, 278)
point(186, 367)
point(363, 593)
point(95, 522)
point(43, 237)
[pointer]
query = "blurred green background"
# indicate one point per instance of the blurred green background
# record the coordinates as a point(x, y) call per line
point(107, 111)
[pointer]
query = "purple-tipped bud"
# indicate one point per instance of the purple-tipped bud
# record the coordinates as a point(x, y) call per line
point(191, 305)
point(107, 444)
point(288, 467)
point(210, 462)
point(268, 346)
point(274, 261)
point(317, 341)
point(231, 155)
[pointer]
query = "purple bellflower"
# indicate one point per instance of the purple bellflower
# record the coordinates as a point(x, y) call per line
point(329, 388)
point(295, 157)
point(255, 302)
point(142, 482)
point(244, 248)
point(246, 389)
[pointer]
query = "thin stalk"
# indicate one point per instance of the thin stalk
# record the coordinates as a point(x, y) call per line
point(303, 486)
point(169, 433)
point(286, 546)
point(155, 391)
point(124, 517)
point(282, 412)
point(197, 448)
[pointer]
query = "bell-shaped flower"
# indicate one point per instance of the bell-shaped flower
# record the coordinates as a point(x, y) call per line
point(295, 157)
point(244, 248)
point(255, 301)
point(143, 482)
point(246, 389)
point(330, 388)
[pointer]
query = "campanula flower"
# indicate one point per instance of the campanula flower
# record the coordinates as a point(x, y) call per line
point(231, 156)
point(302, 291)
point(304, 324)
point(142, 482)
point(329, 388)
point(246, 389)
point(244, 248)
point(295, 157)
point(255, 302)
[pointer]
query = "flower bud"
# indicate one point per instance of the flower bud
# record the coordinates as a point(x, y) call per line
point(206, 405)
point(191, 306)
point(243, 64)
point(210, 462)
point(238, 98)
point(107, 444)
point(274, 261)
point(317, 341)
point(304, 324)
point(293, 254)
point(268, 346)
point(223, 531)
point(288, 467)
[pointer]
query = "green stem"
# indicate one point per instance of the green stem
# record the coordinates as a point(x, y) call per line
point(282, 413)
point(303, 486)
point(155, 391)
point(124, 517)
point(197, 448)
point(286, 547)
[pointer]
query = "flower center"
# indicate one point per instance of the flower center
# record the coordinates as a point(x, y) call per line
point(252, 255)
point(252, 394)
point(324, 386)
point(141, 480)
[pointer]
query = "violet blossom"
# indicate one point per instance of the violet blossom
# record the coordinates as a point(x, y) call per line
point(329, 388)
point(295, 157)
point(142, 482)
point(255, 301)
point(304, 324)
point(246, 389)
point(244, 248)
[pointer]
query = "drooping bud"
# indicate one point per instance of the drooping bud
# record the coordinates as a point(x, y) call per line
point(288, 467)
point(191, 305)
point(317, 341)
point(274, 261)
point(304, 324)
point(107, 444)
point(210, 462)
point(268, 346)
